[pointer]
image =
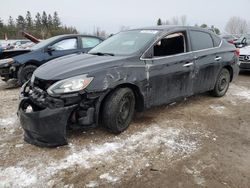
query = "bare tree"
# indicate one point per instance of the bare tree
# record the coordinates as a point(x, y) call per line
point(236, 25)
point(175, 20)
point(183, 20)
point(124, 28)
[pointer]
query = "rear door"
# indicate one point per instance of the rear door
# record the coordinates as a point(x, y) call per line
point(207, 62)
point(170, 71)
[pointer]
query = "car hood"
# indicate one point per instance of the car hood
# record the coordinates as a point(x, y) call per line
point(245, 50)
point(75, 65)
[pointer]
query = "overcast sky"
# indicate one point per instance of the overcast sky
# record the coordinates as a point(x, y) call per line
point(110, 15)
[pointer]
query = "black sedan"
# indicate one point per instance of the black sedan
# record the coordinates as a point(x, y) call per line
point(20, 67)
point(132, 70)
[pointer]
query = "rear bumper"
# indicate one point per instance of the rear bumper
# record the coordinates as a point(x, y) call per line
point(45, 128)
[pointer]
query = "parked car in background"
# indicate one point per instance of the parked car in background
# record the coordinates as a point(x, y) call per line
point(229, 38)
point(245, 58)
point(243, 41)
point(21, 67)
point(132, 70)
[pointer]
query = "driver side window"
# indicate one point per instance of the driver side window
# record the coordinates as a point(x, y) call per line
point(66, 44)
point(172, 44)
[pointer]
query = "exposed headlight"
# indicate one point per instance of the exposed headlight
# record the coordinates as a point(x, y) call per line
point(8, 60)
point(69, 85)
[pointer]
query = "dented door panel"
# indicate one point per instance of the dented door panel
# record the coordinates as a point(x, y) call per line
point(170, 78)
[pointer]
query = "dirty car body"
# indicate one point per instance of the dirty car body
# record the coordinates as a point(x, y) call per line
point(20, 64)
point(158, 65)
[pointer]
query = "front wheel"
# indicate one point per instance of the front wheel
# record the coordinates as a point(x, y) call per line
point(222, 83)
point(118, 110)
point(25, 73)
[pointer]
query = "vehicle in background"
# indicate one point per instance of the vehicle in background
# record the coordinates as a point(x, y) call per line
point(244, 59)
point(229, 38)
point(18, 44)
point(243, 41)
point(132, 70)
point(16, 67)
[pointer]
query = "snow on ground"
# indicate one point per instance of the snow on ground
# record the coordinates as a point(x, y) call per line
point(121, 156)
point(217, 108)
point(239, 92)
point(7, 122)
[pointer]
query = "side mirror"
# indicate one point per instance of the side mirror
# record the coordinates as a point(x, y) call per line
point(50, 49)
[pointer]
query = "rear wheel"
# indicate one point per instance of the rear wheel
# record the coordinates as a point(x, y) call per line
point(25, 73)
point(222, 83)
point(118, 110)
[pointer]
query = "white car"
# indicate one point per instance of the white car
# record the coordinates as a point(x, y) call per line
point(245, 58)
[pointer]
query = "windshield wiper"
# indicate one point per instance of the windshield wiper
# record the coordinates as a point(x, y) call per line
point(102, 53)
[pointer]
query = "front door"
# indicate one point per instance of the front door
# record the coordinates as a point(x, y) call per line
point(170, 72)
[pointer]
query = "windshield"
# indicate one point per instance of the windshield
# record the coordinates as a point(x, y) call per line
point(125, 43)
point(43, 43)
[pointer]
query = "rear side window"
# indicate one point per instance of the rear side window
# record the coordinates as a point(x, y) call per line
point(217, 40)
point(90, 42)
point(201, 40)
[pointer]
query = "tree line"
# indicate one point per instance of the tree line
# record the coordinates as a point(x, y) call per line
point(182, 20)
point(42, 26)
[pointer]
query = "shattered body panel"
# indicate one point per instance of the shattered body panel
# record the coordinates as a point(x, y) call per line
point(154, 81)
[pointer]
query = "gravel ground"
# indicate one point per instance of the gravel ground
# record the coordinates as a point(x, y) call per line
point(198, 142)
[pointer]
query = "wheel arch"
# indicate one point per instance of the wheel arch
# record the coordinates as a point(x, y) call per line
point(139, 99)
point(230, 69)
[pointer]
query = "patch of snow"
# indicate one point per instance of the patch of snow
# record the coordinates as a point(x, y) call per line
point(92, 184)
point(19, 145)
point(16, 177)
point(219, 109)
point(109, 178)
point(130, 154)
point(199, 180)
point(239, 92)
point(7, 122)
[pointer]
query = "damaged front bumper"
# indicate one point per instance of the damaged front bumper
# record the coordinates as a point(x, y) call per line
point(45, 119)
point(46, 127)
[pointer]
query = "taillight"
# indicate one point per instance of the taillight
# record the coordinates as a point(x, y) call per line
point(231, 41)
point(237, 52)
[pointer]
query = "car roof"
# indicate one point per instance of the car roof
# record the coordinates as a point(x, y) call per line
point(173, 27)
point(76, 35)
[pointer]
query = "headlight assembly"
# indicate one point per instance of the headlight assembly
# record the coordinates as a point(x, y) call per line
point(7, 61)
point(70, 85)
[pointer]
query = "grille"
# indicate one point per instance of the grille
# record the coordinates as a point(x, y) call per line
point(245, 58)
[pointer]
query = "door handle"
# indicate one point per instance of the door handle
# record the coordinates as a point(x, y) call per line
point(188, 64)
point(218, 58)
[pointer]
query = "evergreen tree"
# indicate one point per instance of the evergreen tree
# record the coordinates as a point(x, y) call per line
point(43, 27)
point(11, 22)
point(44, 19)
point(20, 22)
point(29, 20)
point(159, 22)
point(56, 20)
point(204, 26)
point(1, 23)
point(38, 21)
point(50, 21)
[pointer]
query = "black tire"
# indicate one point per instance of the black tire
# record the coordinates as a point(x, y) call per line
point(222, 83)
point(25, 73)
point(118, 110)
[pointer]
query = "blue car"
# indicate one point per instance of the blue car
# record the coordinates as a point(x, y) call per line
point(19, 65)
